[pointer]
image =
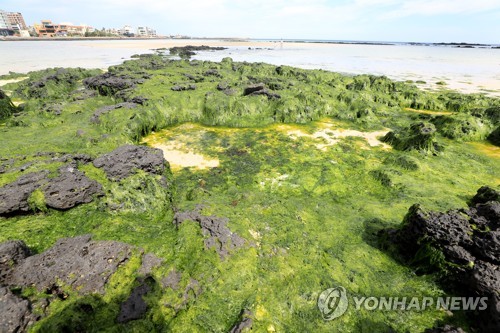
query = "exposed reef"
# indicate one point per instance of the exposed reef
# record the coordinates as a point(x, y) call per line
point(6, 106)
point(186, 52)
point(215, 228)
point(275, 171)
point(463, 246)
point(78, 265)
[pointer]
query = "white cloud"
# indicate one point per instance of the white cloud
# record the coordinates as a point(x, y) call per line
point(441, 7)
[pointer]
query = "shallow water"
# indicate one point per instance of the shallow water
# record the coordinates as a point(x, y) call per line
point(467, 70)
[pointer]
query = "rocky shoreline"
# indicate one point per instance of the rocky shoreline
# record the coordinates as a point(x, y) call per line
point(98, 232)
point(463, 246)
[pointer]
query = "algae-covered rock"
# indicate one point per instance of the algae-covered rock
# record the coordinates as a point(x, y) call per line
point(418, 136)
point(494, 136)
point(111, 83)
point(6, 106)
point(219, 235)
point(463, 127)
point(14, 196)
point(106, 109)
point(54, 83)
point(76, 268)
point(485, 194)
point(16, 313)
point(463, 245)
point(125, 160)
point(79, 262)
point(70, 188)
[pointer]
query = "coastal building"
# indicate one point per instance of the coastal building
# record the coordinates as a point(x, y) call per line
point(16, 19)
point(126, 31)
point(5, 27)
point(4, 20)
point(146, 32)
point(48, 29)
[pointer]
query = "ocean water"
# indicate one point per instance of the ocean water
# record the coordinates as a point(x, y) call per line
point(464, 69)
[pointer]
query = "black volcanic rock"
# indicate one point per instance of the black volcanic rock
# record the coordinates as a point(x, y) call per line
point(11, 253)
point(78, 262)
point(109, 83)
point(125, 160)
point(219, 235)
point(81, 264)
point(260, 89)
point(253, 88)
point(468, 241)
point(70, 188)
point(14, 196)
point(105, 109)
point(485, 194)
point(16, 313)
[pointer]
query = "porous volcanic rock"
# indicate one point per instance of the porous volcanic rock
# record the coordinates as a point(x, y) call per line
point(79, 262)
point(14, 196)
point(260, 89)
point(11, 253)
point(15, 314)
point(220, 237)
point(70, 188)
point(110, 83)
point(105, 109)
point(469, 242)
point(125, 160)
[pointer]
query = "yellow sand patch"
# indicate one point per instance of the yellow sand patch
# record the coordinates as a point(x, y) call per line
point(177, 156)
point(4, 82)
point(487, 149)
point(331, 136)
point(436, 113)
point(174, 143)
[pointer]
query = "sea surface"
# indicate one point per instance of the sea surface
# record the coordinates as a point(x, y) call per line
point(463, 69)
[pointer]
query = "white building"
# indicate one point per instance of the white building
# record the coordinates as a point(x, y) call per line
point(126, 31)
point(4, 20)
point(146, 32)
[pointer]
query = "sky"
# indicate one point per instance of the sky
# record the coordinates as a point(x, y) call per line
point(471, 21)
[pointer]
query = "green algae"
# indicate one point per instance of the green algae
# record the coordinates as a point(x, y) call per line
point(303, 211)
